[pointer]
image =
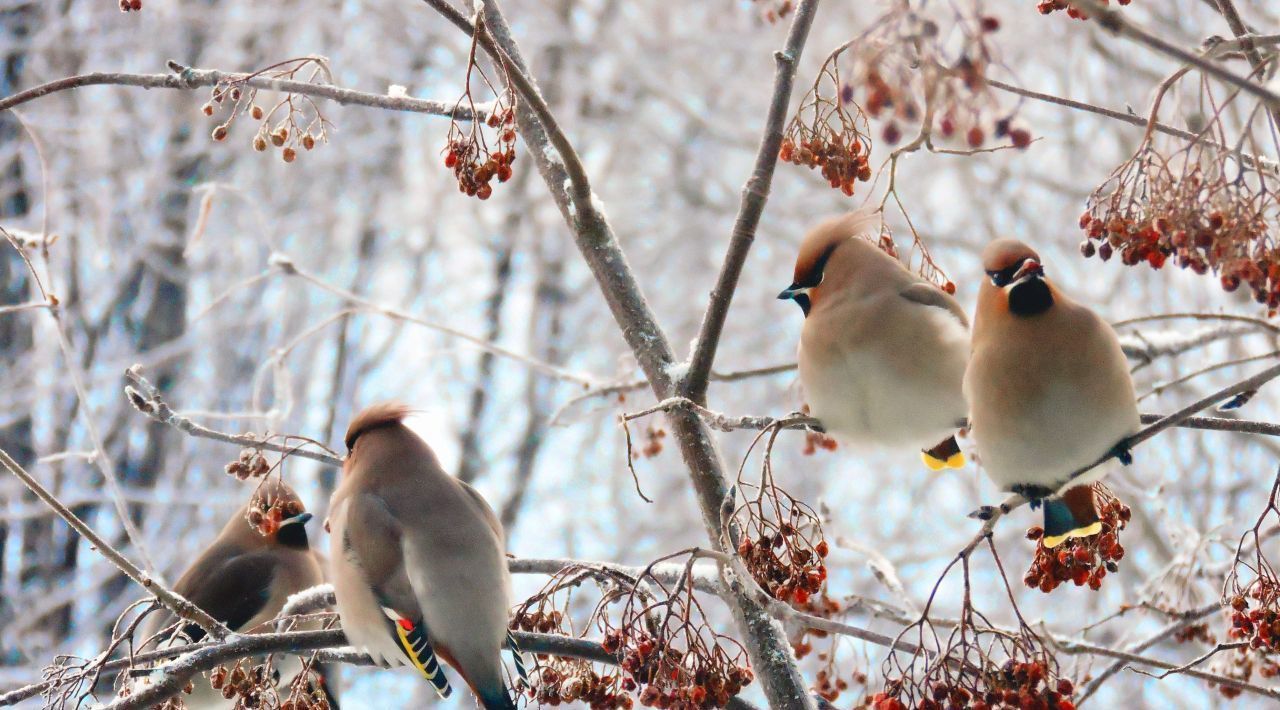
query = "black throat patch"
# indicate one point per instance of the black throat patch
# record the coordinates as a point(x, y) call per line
point(1030, 298)
point(294, 536)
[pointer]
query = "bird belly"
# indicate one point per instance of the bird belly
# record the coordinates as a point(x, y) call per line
point(363, 620)
point(866, 393)
point(1045, 441)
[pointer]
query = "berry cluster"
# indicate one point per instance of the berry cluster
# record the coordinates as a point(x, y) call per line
point(1194, 633)
point(558, 680)
point(653, 437)
point(1253, 606)
point(1081, 560)
point(293, 122)
point(474, 159)
point(473, 163)
point(787, 563)
point(841, 155)
point(906, 72)
point(1149, 212)
point(130, 5)
point(267, 512)
point(1259, 625)
point(254, 687)
point(831, 685)
point(816, 440)
point(1017, 685)
point(581, 684)
point(251, 464)
point(1047, 6)
point(666, 676)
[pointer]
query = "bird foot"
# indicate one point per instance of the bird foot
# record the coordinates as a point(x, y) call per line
point(984, 513)
point(1032, 493)
point(1122, 452)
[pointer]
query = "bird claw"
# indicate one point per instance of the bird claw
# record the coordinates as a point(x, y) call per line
point(1123, 453)
point(984, 513)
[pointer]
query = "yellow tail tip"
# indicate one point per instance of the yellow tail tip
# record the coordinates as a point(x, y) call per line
point(933, 462)
point(956, 460)
point(1052, 541)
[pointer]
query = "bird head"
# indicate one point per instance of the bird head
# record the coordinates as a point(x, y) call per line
point(1016, 273)
point(831, 248)
point(276, 515)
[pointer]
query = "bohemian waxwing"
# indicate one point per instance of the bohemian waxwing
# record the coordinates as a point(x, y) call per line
point(245, 577)
point(883, 351)
point(419, 560)
point(1048, 388)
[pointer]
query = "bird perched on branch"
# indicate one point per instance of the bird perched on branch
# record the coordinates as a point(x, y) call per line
point(883, 351)
point(246, 576)
point(419, 561)
point(1049, 391)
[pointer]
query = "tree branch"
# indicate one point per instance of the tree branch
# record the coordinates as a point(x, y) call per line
point(1114, 22)
point(754, 195)
point(188, 78)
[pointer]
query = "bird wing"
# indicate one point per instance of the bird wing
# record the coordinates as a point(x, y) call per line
point(486, 512)
point(372, 539)
point(233, 592)
point(930, 295)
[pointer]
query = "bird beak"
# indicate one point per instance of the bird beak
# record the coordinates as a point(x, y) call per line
point(1029, 267)
point(793, 291)
point(300, 519)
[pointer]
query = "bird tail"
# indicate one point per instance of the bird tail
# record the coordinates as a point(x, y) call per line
point(418, 650)
point(1071, 515)
point(945, 455)
point(496, 698)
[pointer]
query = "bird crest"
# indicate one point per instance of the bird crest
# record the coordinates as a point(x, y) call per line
point(375, 416)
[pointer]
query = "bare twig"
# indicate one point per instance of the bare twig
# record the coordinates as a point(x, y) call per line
point(188, 78)
point(146, 399)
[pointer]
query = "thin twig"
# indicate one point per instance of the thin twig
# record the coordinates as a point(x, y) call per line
point(188, 78)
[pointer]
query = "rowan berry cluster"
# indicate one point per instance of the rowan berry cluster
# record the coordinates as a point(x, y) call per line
point(130, 5)
point(474, 163)
point(839, 151)
point(251, 464)
point(1257, 622)
point(1048, 6)
point(266, 513)
point(1016, 685)
point(814, 440)
point(293, 122)
point(1081, 560)
point(474, 158)
point(580, 683)
point(1253, 606)
point(907, 71)
point(1151, 212)
point(669, 679)
point(653, 437)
